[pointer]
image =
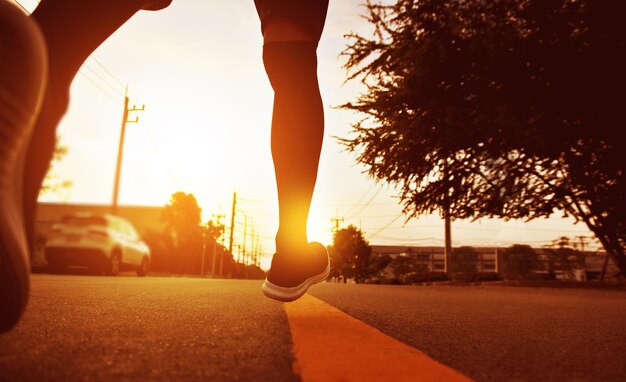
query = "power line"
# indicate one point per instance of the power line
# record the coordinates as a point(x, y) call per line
point(84, 74)
point(366, 204)
point(361, 198)
point(386, 226)
point(112, 97)
point(336, 220)
point(160, 156)
point(268, 202)
point(390, 238)
point(114, 88)
point(108, 72)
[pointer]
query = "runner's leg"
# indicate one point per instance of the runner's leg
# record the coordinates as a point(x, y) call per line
point(22, 82)
point(73, 29)
point(297, 132)
point(290, 59)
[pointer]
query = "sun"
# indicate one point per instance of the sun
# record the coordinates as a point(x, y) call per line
point(319, 227)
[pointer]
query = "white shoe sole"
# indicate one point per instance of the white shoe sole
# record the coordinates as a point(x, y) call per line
point(284, 294)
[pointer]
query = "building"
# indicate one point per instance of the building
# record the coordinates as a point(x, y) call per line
point(433, 257)
point(490, 259)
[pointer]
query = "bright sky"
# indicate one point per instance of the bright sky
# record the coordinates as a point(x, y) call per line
point(206, 130)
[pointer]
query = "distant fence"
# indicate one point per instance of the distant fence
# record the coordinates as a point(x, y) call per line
point(434, 261)
point(579, 265)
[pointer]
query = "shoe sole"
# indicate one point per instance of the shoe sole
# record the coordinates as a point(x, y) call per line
point(284, 294)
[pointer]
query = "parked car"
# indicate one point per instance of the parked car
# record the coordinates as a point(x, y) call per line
point(98, 241)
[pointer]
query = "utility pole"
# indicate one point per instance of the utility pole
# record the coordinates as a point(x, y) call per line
point(218, 225)
point(336, 221)
point(582, 240)
point(204, 239)
point(257, 250)
point(232, 231)
point(245, 230)
point(120, 149)
point(447, 250)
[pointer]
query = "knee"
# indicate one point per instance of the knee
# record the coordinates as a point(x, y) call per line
point(281, 29)
point(23, 67)
point(290, 64)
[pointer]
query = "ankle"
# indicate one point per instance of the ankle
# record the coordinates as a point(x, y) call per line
point(289, 242)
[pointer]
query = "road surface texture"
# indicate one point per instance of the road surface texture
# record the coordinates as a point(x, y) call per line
point(499, 333)
point(158, 328)
point(131, 328)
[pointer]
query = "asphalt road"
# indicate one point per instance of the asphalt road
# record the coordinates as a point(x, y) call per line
point(130, 328)
point(499, 333)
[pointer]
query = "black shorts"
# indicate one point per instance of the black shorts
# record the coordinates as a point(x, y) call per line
point(310, 14)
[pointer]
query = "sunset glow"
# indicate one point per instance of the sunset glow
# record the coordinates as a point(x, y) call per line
point(205, 130)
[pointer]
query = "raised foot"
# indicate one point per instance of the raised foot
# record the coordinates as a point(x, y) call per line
point(291, 275)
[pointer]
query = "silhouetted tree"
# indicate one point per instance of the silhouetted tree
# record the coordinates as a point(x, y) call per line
point(252, 272)
point(378, 263)
point(519, 262)
point(402, 265)
point(212, 233)
point(350, 254)
point(51, 182)
point(408, 269)
point(161, 250)
point(562, 256)
point(506, 108)
point(182, 221)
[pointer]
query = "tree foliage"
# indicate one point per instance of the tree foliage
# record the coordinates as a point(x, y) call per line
point(378, 263)
point(52, 183)
point(218, 254)
point(562, 256)
point(407, 269)
point(350, 254)
point(464, 263)
point(519, 262)
point(182, 218)
point(502, 108)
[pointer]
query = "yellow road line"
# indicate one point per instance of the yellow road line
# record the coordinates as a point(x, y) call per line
point(330, 345)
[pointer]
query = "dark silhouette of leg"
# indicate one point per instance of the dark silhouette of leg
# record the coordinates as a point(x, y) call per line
point(73, 29)
point(22, 82)
point(297, 133)
point(290, 59)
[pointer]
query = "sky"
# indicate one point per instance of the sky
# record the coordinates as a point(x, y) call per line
point(205, 130)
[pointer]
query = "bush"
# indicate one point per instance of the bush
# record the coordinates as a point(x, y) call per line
point(420, 277)
point(488, 276)
point(393, 281)
point(463, 267)
point(438, 276)
point(519, 262)
point(413, 278)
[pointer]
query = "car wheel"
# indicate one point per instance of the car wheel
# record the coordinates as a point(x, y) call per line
point(143, 267)
point(114, 264)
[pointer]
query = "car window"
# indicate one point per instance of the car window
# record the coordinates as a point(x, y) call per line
point(114, 226)
point(131, 232)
